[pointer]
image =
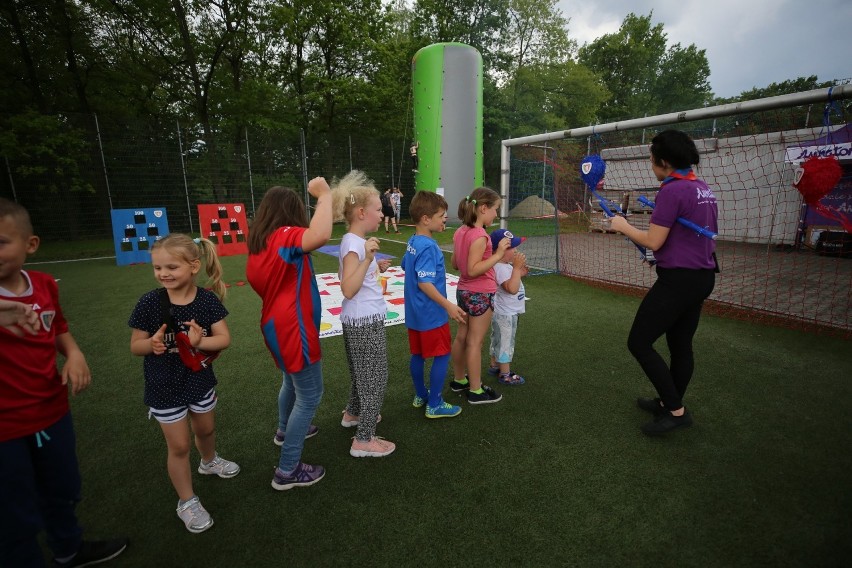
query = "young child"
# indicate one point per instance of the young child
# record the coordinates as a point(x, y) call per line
point(508, 304)
point(475, 294)
point(356, 200)
point(686, 274)
point(280, 270)
point(179, 329)
point(40, 485)
point(427, 309)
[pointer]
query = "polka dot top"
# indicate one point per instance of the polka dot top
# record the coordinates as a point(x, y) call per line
point(168, 382)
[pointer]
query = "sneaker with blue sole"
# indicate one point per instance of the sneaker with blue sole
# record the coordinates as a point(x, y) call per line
point(444, 410)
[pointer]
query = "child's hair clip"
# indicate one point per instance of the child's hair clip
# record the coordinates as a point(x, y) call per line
point(196, 241)
point(469, 200)
point(352, 198)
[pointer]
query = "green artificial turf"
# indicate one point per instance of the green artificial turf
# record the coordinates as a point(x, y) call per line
point(556, 474)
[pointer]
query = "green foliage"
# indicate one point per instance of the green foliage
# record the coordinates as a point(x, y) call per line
point(48, 150)
point(643, 76)
point(228, 71)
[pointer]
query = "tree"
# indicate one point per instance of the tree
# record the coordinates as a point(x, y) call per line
point(643, 76)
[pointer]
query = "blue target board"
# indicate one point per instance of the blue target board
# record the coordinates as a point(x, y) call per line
point(135, 230)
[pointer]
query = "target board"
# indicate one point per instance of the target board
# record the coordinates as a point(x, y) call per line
point(225, 224)
point(135, 230)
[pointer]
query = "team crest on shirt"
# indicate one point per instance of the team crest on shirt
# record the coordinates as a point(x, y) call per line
point(47, 319)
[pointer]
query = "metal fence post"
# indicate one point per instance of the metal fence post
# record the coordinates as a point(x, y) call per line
point(251, 184)
point(185, 186)
point(11, 181)
point(305, 172)
point(103, 160)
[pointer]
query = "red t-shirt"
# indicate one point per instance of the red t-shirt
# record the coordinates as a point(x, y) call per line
point(283, 277)
point(32, 396)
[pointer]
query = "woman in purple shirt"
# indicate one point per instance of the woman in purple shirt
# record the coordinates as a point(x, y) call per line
point(686, 274)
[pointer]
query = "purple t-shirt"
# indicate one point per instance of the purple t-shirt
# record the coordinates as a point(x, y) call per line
point(684, 248)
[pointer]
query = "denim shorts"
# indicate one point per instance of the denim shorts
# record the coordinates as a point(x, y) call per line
point(474, 303)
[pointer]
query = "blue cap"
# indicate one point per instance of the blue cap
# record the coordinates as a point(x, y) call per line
point(500, 234)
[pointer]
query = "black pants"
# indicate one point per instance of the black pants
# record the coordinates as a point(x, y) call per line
point(671, 307)
point(39, 488)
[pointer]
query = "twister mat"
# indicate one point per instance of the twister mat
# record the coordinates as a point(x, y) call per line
point(332, 299)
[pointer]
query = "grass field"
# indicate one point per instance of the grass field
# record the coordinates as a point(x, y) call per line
point(557, 474)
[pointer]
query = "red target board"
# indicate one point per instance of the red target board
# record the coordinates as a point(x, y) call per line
point(225, 225)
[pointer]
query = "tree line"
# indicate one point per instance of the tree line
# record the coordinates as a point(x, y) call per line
point(328, 68)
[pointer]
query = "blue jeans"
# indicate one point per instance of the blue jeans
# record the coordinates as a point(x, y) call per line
point(39, 488)
point(298, 400)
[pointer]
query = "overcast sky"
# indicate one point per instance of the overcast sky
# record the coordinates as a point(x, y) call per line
point(749, 43)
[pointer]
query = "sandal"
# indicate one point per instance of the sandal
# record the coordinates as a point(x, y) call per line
point(511, 379)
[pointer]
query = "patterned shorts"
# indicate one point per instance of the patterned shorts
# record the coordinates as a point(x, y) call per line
point(169, 415)
point(474, 303)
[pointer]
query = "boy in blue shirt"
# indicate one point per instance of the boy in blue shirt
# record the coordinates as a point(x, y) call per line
point(427, 309)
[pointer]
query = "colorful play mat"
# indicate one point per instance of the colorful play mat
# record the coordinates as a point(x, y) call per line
point(394, 278)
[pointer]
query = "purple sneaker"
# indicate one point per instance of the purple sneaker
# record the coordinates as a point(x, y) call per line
point(302, 476)
point(279, 435)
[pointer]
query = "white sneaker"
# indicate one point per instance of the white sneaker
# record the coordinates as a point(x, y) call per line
point(219, 466)
point(194, 516)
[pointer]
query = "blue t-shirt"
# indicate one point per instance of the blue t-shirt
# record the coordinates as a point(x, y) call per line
point(423, 262)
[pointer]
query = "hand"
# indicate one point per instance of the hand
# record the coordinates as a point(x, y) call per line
point(18, 318)
point(76, 371)
point(504, 245)
point(370, 248)
point(618, 223)
point(520, 260)
point(158, 345)
point(195, 333)
point(318, 187)
point(384, 264)
point(456, 313)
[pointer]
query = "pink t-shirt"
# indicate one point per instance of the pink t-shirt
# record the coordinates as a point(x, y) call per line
point(463, 238)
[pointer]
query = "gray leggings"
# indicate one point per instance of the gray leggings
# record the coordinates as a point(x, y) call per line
point(367, 354)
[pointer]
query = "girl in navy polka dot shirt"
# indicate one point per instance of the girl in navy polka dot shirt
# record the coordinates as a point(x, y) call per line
point(179, 329)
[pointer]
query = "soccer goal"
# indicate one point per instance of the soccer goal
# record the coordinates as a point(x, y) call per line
point(781, 258)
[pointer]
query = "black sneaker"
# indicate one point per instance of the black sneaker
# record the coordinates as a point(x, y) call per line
point(456, 386)
point(666, 423)
point(95, 551)
point(487, 396)
point(652, 405)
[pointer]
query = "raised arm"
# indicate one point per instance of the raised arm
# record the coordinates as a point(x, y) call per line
point(320, 229)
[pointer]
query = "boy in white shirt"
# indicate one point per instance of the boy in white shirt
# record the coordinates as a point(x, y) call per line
point(508, 304)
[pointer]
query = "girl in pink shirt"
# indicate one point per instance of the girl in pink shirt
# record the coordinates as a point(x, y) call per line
point(473, 258)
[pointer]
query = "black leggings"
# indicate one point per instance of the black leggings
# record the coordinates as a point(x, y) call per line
point(671, 307)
